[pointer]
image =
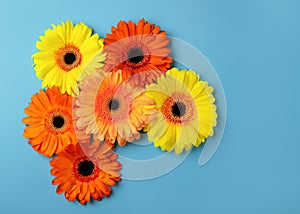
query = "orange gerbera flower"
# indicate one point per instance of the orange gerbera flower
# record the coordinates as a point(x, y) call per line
point(139, 50)
point(84, 176)
point(110, 109)
point(49, 122)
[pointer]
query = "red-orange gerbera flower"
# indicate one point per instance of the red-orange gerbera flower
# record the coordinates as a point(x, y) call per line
point(139, 50)
point(83, 176)
point(49, 122)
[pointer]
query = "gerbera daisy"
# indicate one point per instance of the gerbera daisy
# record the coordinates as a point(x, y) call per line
point(186, 112)
point(67, 54)
point(81, 177)
point(110, 109)
point(49, 122)
point(139, 50)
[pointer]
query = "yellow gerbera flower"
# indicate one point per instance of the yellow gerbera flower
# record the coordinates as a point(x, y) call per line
point(67, 54)
point(186, 112)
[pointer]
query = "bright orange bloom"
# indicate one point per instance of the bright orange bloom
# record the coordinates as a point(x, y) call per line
point(49, 122)
point(139, 50)
point(85, 173)
point(110, 109)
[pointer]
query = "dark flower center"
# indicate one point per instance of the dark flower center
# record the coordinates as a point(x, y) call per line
point(114, 104)
point(135, 55)
point(85, 168)
point(178, 109)
point(69, 58)
point(58, 121)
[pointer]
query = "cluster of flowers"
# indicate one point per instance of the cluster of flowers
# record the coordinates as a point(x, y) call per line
point(101, 92)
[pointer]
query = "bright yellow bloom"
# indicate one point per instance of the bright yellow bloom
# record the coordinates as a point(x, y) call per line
point(186, 111)
point(66, 55)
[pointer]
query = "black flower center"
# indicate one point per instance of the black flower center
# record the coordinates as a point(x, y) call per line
point(178, 109)
point(69, 58)
point(135, 55)
point(114, 104)
point(58, 121)
point(85, 168)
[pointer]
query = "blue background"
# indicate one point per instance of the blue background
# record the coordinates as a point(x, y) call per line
point(254, 47)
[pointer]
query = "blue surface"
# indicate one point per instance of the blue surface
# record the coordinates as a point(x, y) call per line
point(253, 45)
